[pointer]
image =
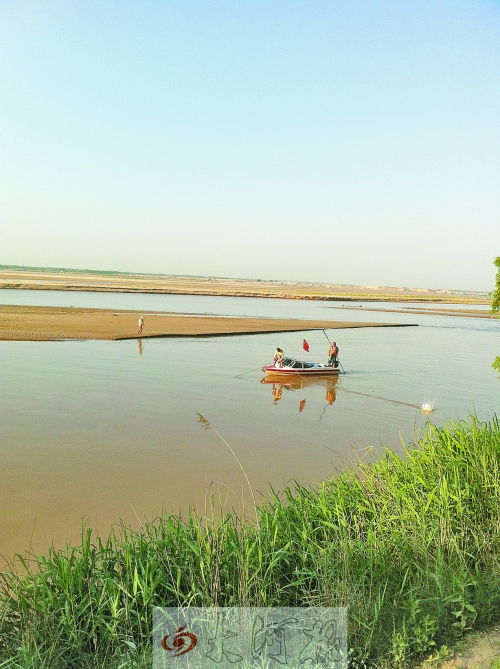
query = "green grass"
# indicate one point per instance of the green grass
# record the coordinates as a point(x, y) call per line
point(411, 545)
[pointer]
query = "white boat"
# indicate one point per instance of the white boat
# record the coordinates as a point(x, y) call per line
point(296, 367)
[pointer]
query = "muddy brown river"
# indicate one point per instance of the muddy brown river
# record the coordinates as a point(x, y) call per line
point(98, 431)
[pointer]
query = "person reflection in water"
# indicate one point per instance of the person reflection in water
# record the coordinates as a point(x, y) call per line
point(331, 395)
point(277, 392)
point(139, 346)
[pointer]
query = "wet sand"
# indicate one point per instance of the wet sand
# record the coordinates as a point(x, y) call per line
point(23, 323)
point(182, 285)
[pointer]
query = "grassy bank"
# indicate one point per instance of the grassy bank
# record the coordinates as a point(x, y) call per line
point(411, 546)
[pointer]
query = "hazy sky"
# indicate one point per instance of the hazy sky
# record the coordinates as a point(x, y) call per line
point(346, 141)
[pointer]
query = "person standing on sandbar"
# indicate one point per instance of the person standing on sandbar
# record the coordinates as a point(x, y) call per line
point(141, 323)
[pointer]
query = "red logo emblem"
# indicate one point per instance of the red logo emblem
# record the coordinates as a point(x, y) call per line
point(180, 640)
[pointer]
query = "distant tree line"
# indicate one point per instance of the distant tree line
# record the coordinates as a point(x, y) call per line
point(65, 270)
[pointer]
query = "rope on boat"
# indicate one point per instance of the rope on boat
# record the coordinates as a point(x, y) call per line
point(243, 373)
point(376, 397)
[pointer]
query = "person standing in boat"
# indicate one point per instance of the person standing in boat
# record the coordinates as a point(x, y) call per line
point(278, 357)
point(333, 355)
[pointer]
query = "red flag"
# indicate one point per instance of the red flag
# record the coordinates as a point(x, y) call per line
point(305, 346)
point(301, 405)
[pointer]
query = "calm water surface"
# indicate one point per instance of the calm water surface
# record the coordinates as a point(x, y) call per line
point(109, 430)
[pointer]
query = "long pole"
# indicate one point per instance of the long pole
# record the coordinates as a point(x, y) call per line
point(337, 358)
point(327, 337)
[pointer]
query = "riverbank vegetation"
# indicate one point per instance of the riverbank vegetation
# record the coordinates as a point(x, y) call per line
point(495, 306)
point(411, 545)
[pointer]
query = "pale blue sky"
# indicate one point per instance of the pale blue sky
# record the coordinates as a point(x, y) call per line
point(345, 141)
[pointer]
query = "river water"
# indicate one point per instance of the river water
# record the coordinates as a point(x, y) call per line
point(103, 431)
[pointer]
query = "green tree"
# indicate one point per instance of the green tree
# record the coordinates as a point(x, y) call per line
point(495, 305)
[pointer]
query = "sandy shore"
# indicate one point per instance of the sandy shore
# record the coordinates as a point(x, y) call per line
point(52, 323)
point(177, 285)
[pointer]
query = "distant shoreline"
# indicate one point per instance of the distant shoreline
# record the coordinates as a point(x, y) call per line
point(457, 313)
point(164, 285)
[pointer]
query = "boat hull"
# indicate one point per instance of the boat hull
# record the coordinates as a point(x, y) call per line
point(301, 371)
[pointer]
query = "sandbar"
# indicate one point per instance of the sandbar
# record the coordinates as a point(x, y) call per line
point(457, 312)
point(115, 282)
point(28, 323)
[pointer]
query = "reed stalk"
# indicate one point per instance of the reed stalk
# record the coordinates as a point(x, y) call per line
point(411, 544)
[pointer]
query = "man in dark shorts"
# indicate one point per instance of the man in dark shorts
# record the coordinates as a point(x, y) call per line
point(333, 353)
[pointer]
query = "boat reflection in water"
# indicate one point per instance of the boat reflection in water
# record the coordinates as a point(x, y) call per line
point(278, 384)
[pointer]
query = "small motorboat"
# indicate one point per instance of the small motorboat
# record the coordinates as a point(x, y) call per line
point(296, 367)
